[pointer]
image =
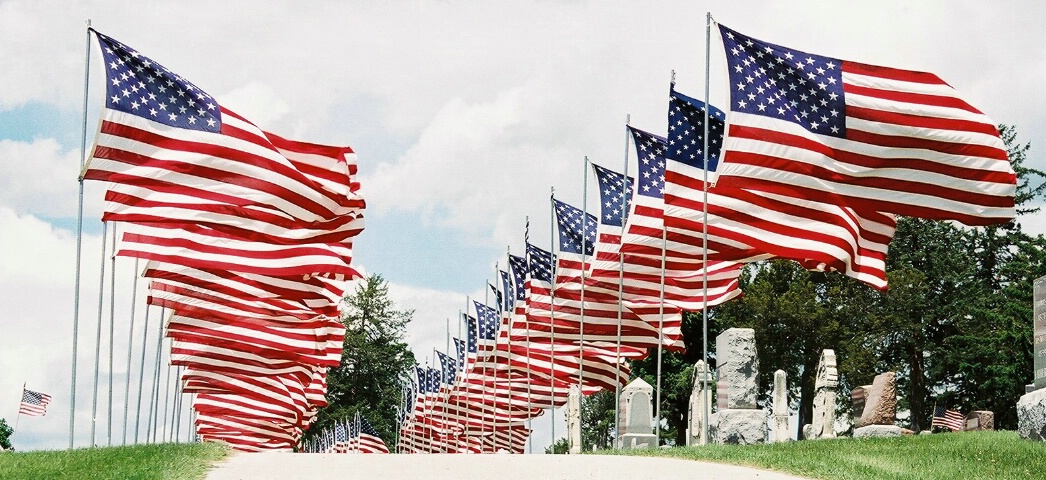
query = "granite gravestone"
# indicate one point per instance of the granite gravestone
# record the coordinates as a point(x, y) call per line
point(634, 410)
point(574, 420)
point(822, 424)
point(780, 394)
point(737, 419)
point(700, 403)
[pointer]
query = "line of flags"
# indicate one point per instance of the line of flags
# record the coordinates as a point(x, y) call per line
point(812, 161)
point(356, 436)
point(247, 238)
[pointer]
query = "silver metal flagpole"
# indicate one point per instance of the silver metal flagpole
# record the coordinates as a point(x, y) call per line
point(154, 403)
point(461, 373)
point(704, 227)
point(112, 334)
point(79, 239)
point(584, 262)
point(621, 284)
point(660, 335)
point(178, 402)
point(552, 306)
point(98, 340)
point(141, 374)
point(166, 400)
point(130, 350)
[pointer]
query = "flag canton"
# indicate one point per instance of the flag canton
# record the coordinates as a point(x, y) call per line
point(462, 348)
point(33, 398)
point(340, 434)
point(540, 263)
point(473, 335)
point(497, 296)
point(139, 86)
point(518, 266)
point(571, 230)
point(615, 189)
point(686, 131)
point(367, 428)
point(786, 84)
point(488, 321)
point(650, 149)
point(422, 381)
point(506, 286)
point(433, 378)
point(448, 366)
point(353, 430)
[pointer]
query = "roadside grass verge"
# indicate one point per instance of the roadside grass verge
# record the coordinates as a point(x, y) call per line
point(176, 461)
point(956, 456)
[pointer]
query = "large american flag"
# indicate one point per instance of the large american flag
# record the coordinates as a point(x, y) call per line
point(369, 440)
point(34, 404)
point(870, 137)
point(174, 153)
point(746, 225)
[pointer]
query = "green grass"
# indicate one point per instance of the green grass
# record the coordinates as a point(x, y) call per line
point(166, 461)
point(953, 456)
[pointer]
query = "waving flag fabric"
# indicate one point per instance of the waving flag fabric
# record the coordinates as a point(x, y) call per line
point(865, 136)
point(746, 225)
point(33, 403)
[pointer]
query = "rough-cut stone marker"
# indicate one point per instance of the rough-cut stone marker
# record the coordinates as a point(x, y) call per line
point(980, 420)
point(870, 431)
point(1031, 415)
point(880, 406)
point(781, 433)
point(737, 367)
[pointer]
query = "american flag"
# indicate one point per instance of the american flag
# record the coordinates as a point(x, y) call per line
point(747, 225)
point(462, 350)
point(870, 137)
point(448, 368)
point(34, 404)
point(615, 195)
point(949, 419)
point(506, 296)
point(369, 440)
point(175, 154)
point(577, 239)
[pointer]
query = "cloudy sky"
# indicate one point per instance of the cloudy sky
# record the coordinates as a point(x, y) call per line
point(463, 115)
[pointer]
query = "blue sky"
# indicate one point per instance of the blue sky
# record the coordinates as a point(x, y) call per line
point(463, 114)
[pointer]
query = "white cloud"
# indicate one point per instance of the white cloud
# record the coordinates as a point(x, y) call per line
point(40, 178)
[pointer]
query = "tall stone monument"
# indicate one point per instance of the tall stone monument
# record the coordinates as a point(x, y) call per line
point(880, 408)
point(737, 419)
point(780, 393)
point(822, 424)
point(700, 402)
point(1031, 408)
point(574, 420)
point(636, 417)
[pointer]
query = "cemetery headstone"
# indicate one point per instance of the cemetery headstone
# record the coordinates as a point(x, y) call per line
point(700, 402)
point(634, 410)
point(737, 419)
point(780, 394)
point(574, 420)
point(822, 424)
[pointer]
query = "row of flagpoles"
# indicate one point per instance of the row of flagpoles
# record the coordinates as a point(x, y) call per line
point(246, 237)
point(811, 162)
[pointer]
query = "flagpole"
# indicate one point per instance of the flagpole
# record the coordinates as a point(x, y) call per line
point(154, 403)
point(552, 307)
point(18, 416)
point(98, 339)
point(461, 373)
point(130, 351)
point(166, 399)
point(112, 334)
point(660, 334)
point(621, 285)
point(584, 261)
point(704, 228)
point(141, 375)
point(79, 237)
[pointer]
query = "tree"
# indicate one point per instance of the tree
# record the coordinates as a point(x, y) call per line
point(375, 361)
point(560, 447)
point(5, 434)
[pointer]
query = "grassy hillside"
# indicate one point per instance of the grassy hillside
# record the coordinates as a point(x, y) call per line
point(954, 456)
point(166, 461)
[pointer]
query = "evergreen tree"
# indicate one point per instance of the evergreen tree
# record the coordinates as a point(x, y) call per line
point(375, 362)
point(5, 434)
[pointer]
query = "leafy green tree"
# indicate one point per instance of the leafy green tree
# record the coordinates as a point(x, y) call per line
point(561, 447)
point(374, 364)
point(5, 434)
point(597, 421)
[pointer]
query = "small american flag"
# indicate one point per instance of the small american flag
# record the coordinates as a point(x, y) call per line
point(33, 403)
point(369, 441)
point(949, 419)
